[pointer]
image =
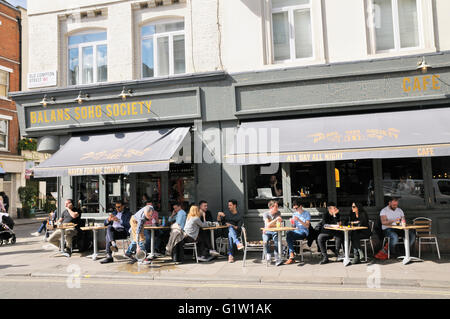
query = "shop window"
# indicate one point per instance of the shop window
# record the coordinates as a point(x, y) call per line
point(87, 58)
point(396, 25)
point(182, 184)
point(263, 185)
point(4, 135)
point(87, 193)
point(309, 184)
point(292, 30)
point(441, 180)
point(403, 178)
point(354, 183)
point(148, 187)
point(4, 82)
point(163, 49)
point(117, 188)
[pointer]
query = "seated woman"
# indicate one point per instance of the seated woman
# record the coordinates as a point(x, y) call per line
point(358, 217)
point(193, 234)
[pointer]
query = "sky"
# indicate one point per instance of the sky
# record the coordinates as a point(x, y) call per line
point(22, 3)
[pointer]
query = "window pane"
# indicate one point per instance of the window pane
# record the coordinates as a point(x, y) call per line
point(3, 90)
point(403, 177)
point(309, 184)
point(285, 3)
point(3, 77)
point(88, 37)
point(117, 188)
point(384, 29)
point(168, 27)
point(88, 65)
point(409, 29)
point(303, 34)
point(441, 180)
point(3, 127)
point(87, 193)
point(263, 186)
point(178, 54)
point(148, 67)
point(281, 36)
point(148, 30)
point(354, 183)
point(2, 141)
point(73, 66)
point(102, 63)
point(148, 187)
point(163, 56)
point(182, 184)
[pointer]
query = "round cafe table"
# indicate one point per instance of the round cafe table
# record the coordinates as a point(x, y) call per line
point(152, 244)
point(212, 229)
point(62, 245)
point(346, 230)
point(408, 258)
point(94, 229)
point(279, 230)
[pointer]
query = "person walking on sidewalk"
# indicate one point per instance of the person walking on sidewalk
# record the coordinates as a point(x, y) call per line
point(271, 218)
point(301, 219)
point(118, 224)
point(234, 220)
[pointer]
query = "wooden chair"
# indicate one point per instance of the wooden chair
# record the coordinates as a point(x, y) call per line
point(424, 234)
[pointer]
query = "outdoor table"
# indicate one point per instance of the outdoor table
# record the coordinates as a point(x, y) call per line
point(94, 229)
point(279, 230)
point(63, 227)
point(407, 258)
point(152, 244)
point(212, 229)
point(346, 230)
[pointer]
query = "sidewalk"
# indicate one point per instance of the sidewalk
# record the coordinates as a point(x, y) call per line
point(29, 258)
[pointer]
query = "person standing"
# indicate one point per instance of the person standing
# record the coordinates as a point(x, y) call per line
point(301, 219)
point(70, 215)
point(118, 224)
point(137, 222)
point(391, 215)
point(234, 220)
point(271, 218)
point(358, 217)
point(331, 217)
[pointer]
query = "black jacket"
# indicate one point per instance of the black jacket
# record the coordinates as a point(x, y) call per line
point(363, 221)
point(327, 218)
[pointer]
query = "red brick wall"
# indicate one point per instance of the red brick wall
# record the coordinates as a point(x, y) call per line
point(10, 49)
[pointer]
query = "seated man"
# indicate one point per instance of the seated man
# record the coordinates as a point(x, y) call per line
point(51, 220)
point(331, 217)
point(270, 221)
point(69, 215)
point(389, 216)
point(175, 243)
point(137, 222)
point(118, 224)
point(234, 221)
point(301, 219)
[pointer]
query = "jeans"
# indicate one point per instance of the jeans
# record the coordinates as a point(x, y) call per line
point(232, 239)
point(69, 234)
point(111, 235)
point(323, 237)
point(148, 239)
point(267, 236)
point(291, 237)
point(393, 235)
point(42, 227)
point(132, 248)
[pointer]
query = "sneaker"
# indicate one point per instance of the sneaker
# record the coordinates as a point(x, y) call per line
point(129, 255)
point(291, 259)
point(107, 260)
point(67, 252)
point(35, 234)
point(324, 261)
point(279, 262)
point(214, 253)
point(230, 259)
point(240, 246)
point(203, 258)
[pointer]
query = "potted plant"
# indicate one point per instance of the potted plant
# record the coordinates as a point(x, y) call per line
point(28, 196)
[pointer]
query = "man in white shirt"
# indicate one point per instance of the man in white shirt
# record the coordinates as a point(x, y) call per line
point(390, 215)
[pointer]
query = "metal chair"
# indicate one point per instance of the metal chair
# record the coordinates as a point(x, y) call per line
point(400, 241)
point(300, 244)
point(251, 246)
point(365, 240)
point(192, 246)
point(425, 236)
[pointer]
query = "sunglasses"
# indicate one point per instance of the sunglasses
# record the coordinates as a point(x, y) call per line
point(353, 206)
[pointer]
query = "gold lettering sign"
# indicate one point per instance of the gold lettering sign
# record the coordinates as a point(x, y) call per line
point(110, 169)
point(355, 135)
point(110, 111)
point(425, 151)
point(421, 83)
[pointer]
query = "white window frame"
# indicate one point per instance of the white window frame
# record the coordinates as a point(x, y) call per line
point(396, 29)
point(155, 37)
point(80, 47)
point(9, 71)
point(290, 10)
point(7, 119)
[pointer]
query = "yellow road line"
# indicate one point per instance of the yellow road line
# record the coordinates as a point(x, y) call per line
point(229, 285)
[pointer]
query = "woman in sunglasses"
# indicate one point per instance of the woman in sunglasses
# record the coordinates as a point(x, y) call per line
point(358, 217)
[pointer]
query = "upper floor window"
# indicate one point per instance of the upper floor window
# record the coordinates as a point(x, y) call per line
point(4, 124)
point(87, 58)
point(396, 25)
point(292, 30)
point(163, 49)
point(4, 83)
